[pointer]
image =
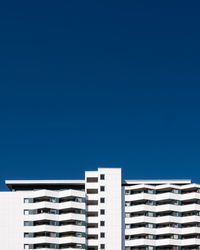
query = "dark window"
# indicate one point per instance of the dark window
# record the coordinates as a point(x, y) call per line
point(102, 223)
point(102, 211)
point(102, 235)
point(102, 177)
point(102, 200)
point(92, 179)
point(102, 246)
point(102, 188)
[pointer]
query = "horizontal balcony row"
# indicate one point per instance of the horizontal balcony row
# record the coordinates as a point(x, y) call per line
point(56, 194)
point(55, 229)
point(61, 217)
point(49, 246)
point(162, 208)
point(162, 225)
point(64, 240)
point(163, 248)
point(164, 187)
point(53, 223)
point(164, 230)
point(161, 236)
point(161, 203)
point(53, 211)
point(161, 197)
point(54, 234)
point(163, 219)
point(53, 200)
point(48, 204)
point(161, 214)
point(162, 242)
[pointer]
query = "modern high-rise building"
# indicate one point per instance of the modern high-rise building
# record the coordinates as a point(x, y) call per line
point(101, 212)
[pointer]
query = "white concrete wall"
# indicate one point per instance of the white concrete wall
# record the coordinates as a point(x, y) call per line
point(12, 218)
point(113, 208)
point(11, 221)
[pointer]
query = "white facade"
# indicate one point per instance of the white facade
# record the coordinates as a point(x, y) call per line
point(100, 212)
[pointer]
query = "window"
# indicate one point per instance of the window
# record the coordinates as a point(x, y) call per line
point(54, 200)
point(53, 235)
point(128, 237)
point(149, 202)
point(54, 246)
point(150, 214)
point(54, 223)
point(176, 214)
point(92, 179)
point(176, 202)
point(26, 212)
point(102, 200)
point(102, 223)
point(26, 246)
point(27, 200)
point(53, 211)
point(150, 191)
point(80, 223)
point(102, 235)
point(149, 225)
point(175, 236)
point(79, 234)
point(28, 223)
point(176, 191)
point(79, 246)
point(102, 211)
point(176, 225)
point(102, 246)
point(79, 199)
point(150, 236)
point(102, 177)
point(102, 188)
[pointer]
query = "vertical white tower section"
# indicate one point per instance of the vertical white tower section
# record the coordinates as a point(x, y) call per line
point(104, 210)
point(112, 207)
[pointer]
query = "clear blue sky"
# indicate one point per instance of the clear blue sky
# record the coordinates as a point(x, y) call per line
point(85, 84)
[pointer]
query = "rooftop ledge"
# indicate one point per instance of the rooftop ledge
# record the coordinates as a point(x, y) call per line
point(11, 183)
point(167, 181)
point(52, 182)
point(55, 182)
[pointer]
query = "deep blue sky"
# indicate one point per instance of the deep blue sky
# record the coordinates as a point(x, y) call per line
point(85, 84)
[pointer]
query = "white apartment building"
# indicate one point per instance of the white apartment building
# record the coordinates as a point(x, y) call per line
point(100, 212)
